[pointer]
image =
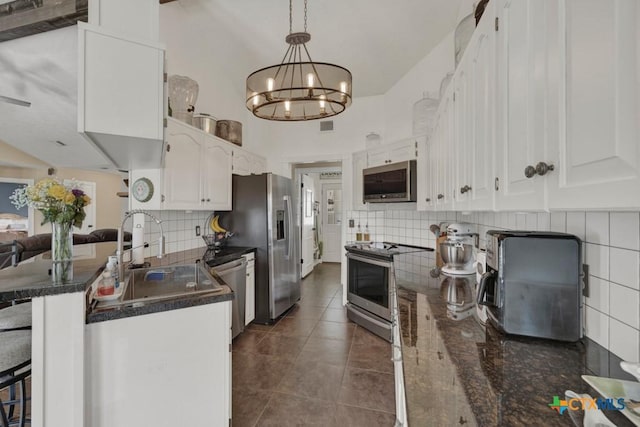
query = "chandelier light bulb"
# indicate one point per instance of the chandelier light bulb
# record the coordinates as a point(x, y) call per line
point(270, 84)
point(287, 108)
point(310, 80)
point(322, 105)
point(256, 98)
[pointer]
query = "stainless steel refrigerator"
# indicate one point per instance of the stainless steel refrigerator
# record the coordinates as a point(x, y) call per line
point(263, 217)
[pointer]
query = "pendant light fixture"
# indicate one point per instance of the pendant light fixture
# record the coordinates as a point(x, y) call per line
point(298, 88)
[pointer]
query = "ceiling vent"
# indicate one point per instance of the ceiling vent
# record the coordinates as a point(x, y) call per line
point(326, 126)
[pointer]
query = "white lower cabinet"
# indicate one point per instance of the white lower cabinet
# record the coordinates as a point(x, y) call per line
point(250, 295)
point(197, 172)
point(167, 369)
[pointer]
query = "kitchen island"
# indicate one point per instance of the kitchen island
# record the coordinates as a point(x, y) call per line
point(131, 368)
point(459, 372)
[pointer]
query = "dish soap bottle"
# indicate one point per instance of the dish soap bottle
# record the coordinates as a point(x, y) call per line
point(367, 236)
point(359, 233)
point(106, 285)
point(112, 268)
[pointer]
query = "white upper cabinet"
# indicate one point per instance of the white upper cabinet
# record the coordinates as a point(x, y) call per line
point(246, 163)
point(594, 111)
point(520, 138)
point(359, 163)
point(121, 96)
point(461, 138)
point(482, 63)
point(197, 173)
point(444, 152)
point(183, 183)
point(392, 153)
point(426, 174)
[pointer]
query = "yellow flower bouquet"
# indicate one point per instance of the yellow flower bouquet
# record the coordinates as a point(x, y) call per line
point(61, 205)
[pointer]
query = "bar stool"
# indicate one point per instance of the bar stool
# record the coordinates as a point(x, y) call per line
point(14, 318)
point(15, 367)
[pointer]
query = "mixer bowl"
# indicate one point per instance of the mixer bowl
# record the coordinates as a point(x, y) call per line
point(456, 254)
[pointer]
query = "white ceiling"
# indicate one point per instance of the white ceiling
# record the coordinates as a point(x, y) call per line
point(378, 41)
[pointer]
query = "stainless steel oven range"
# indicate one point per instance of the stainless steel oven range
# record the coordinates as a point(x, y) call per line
point(371, 283)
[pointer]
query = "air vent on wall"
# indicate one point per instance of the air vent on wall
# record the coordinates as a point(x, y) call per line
point(326, 126)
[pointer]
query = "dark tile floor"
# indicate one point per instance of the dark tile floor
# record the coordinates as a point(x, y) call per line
point(313, 367)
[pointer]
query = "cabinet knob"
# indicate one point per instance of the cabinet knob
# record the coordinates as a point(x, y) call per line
point(208, 200)
point(465, 189)
point(462, 421)
point(202, 200)
point(542, 168)
point(440, 196)
point(427, 199)
point(529, 171)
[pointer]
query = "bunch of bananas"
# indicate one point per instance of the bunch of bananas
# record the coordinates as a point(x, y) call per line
point(215, 226)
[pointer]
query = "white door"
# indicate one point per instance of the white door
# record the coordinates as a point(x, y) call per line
point(89, 223)
point(307, 245)
point(331, 222)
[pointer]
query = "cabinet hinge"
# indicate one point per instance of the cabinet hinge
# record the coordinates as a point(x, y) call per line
point(168, 147)
point(164, 77)
point(162, 198)
point(454, 97)
point(301, 261)
point(302, 185)
point(497, 183)
point(164, 122)
point(497, 23)
point(229, 347)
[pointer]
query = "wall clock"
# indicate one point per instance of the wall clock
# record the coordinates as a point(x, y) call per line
point(142, 189)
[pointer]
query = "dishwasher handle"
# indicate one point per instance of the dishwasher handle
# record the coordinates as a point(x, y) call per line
point(230, 267)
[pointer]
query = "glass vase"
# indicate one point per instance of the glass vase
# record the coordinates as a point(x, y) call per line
point(62, 251)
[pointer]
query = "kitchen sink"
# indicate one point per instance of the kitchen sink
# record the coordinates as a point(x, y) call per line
point(159, 283)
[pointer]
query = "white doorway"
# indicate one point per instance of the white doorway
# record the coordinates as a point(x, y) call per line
point(308, 226)
point(331, 207)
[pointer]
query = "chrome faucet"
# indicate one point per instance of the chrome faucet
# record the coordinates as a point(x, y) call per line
point(119, 251)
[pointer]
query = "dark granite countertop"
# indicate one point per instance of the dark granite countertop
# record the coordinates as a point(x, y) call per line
point(227, 254)
point(32, 278)
point(458, 372)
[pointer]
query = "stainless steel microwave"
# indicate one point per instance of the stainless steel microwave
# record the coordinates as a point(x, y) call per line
point(395, 182)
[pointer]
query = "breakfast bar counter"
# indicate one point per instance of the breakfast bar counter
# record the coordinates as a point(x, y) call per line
point(459, 372)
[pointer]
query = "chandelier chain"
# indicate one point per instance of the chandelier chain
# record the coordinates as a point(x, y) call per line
point(305, 16)
point(290, 16)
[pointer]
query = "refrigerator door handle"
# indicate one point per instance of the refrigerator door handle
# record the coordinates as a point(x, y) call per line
point(288, 227)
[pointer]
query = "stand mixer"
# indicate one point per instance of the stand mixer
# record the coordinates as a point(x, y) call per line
point(458, 251)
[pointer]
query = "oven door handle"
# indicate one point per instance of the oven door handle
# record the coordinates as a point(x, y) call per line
point(386, 264)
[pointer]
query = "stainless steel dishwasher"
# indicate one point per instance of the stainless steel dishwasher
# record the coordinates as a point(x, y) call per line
point(234, 274)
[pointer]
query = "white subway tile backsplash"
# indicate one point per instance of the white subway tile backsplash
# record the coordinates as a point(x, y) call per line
point(624, 341)
point(624, 267)
point(544, 221)
point(625, 230)
point(597, 326)
point(624, 305)
point(597, 228)
point(558, 222)
point(597, 257)
point(531, 222)
point(598, 294)
point(576, 224)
